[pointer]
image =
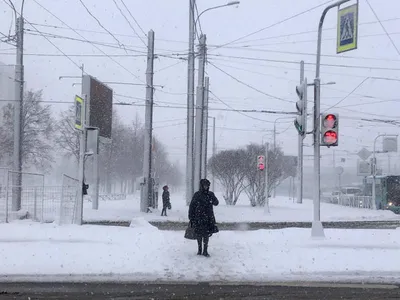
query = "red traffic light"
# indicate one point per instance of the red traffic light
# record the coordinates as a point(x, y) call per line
point(261, 166)
point(330, 137)
point(330, 121)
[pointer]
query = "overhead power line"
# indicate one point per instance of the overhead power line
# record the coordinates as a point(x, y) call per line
point(130, 25)
point(243, 114)
point(314, 40)
point(250, 86)
point(134, 19)
point(307, 63)
point(349, 94)
point(100, 32)
point(98, 22)
point(84, 40)
point(109, 45)
point(310, 31)
point(273, 25)
point(383, 27)
point(98, 48)
point(77, 55)
point(280, 51)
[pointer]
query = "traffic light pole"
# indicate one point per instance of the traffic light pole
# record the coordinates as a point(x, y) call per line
point(266, 185)
point(300, 150)
point(317, 228)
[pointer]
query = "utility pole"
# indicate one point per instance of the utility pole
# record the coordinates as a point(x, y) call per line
point(199, 112)
point(18, 113)
point(190, 106)
point(300, 149)
point(214, 151)
point(148, 137)
point(78, 218)
point(205, 129)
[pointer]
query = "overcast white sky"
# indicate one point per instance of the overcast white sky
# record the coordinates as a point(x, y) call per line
point(250, 60)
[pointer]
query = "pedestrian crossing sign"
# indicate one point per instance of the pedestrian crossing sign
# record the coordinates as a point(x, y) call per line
point(79, 113)
point(347, 32)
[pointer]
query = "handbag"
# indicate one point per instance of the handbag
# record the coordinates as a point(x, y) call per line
point(215, 229)
point(190, 234)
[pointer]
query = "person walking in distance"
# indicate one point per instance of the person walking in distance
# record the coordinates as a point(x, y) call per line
point(201, 216)
point(165, 200)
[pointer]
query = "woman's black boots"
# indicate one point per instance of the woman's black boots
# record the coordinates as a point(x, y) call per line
point(205, 252)
point(199, 252)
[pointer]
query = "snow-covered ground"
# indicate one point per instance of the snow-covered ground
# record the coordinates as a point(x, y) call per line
point(281, 209)
point(33, 251)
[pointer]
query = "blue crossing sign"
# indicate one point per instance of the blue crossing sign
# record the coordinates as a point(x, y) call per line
point(79, 112)
point(347, 34)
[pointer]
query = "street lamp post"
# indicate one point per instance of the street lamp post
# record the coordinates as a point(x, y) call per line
point(230, 3)
point(190, 98)
point(262, 138)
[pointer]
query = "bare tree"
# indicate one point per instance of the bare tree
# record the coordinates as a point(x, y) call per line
point(228, 168)
point(67, 137)
point(165, 170)
point(37, 132)
point(121, 161)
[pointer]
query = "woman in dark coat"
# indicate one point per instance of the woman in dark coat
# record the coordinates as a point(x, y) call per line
point(166, 201)
point(201, 215)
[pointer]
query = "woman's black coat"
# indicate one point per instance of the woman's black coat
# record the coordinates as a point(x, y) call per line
point(201, 212)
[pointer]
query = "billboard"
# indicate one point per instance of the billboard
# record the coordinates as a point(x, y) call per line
point(100, 101)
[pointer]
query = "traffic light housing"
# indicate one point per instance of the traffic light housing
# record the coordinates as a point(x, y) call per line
point(85, 188)
point(330, 129)
point(301, 105)
point(261, 162)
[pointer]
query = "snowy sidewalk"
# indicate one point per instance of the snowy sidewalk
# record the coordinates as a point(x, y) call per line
point(34, 251)
point(282, 210)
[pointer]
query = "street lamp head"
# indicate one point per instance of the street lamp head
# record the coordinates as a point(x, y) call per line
point(233, 3)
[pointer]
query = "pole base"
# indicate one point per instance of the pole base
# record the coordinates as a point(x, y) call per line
point(317, 230)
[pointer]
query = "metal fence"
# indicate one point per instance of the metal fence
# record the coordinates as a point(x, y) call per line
point(68, 200)
point(112, 197)
point(21, 201)
point(351, 201)
point(37, 201)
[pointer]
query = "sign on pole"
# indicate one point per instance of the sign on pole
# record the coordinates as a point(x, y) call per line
point(339, 170)
point(364, 154)
point(347, 32)
point(79, 117)
point(363, 168)
point(390, 144)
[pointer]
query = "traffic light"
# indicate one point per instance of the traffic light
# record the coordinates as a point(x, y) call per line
point(330, 130)
point(301, 120)
point(261, 162)
point(85, 187)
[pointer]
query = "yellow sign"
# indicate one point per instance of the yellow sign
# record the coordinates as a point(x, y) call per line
point(79, 113)
point(347, 31)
